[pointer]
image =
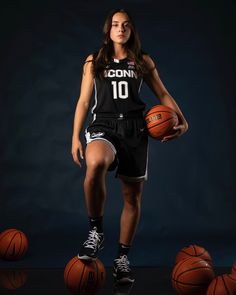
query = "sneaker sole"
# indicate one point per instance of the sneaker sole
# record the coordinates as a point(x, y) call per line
point(123, 280)
point(88, 258)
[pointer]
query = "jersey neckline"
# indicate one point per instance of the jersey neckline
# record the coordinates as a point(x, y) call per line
point(116, 60)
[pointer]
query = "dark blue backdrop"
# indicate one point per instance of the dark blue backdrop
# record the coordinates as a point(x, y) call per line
point(190, 194)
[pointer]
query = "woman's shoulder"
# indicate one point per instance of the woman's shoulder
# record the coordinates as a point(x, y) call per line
point(89, 58)
point(88, 64)
point(148, 60)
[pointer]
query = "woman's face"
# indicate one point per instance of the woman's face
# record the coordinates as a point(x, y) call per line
point(120, 28)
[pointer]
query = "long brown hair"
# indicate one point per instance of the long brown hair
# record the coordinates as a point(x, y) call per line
point(133, 47)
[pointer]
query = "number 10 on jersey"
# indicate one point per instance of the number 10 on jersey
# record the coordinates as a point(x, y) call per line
point(120, 89)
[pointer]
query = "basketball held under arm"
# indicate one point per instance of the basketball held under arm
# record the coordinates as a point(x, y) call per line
point(154, 82)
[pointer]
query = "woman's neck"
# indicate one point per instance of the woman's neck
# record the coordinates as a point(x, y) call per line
point(119, 52)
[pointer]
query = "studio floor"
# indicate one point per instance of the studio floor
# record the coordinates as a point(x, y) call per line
point(51, 281)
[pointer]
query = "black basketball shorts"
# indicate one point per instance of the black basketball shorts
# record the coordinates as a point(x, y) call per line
point(127, 137)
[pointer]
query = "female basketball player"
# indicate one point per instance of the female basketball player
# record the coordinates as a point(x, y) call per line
point(116, 136)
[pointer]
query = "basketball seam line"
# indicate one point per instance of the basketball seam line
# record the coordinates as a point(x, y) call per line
point(196, 255)
point(193, 269)
point(180, 264)
point(20, 245)
point(10, 243)
point(189, 284)
point(67, 275)
point(225, 285)
point(81, 280)
point(11, 281)
point(215, 286)
point(160, 123)
point(230, 277)
point(97, 285)
point(169, 112)
point(7, 233)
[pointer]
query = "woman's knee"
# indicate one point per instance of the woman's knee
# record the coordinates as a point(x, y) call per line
point(133, 201)
point(98, 157)
point(132, 195)
point(96, 169)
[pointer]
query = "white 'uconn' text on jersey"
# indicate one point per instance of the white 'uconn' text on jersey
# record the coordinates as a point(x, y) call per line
point(119, 91)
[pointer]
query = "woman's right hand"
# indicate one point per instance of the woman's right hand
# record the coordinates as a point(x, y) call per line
point(77, 149)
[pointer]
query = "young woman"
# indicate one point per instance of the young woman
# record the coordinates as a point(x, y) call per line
point(116, 137)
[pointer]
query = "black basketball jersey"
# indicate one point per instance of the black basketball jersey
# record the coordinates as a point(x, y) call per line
point(119, 91)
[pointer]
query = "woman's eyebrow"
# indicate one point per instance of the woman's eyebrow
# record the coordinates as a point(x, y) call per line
point(116, 21)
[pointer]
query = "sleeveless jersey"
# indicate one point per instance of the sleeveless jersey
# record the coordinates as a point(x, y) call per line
point(119, 91)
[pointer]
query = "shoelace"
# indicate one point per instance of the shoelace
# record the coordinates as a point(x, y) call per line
point(122, 263)
point(92, 240)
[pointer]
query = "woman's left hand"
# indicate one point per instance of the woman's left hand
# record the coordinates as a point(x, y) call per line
point(180, 130)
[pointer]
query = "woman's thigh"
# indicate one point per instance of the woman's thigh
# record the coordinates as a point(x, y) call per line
point(99, 153)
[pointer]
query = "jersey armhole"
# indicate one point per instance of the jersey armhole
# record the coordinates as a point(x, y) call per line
point(95, 54)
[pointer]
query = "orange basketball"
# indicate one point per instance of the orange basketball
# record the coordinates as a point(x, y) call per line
point(192, 276)
point(222, 285)
point(13, 244)
point(12, 279)
point(160, 121)
point(193, 251)
point(84, 277)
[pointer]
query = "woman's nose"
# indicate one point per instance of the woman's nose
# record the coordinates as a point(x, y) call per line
point(121, 29)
